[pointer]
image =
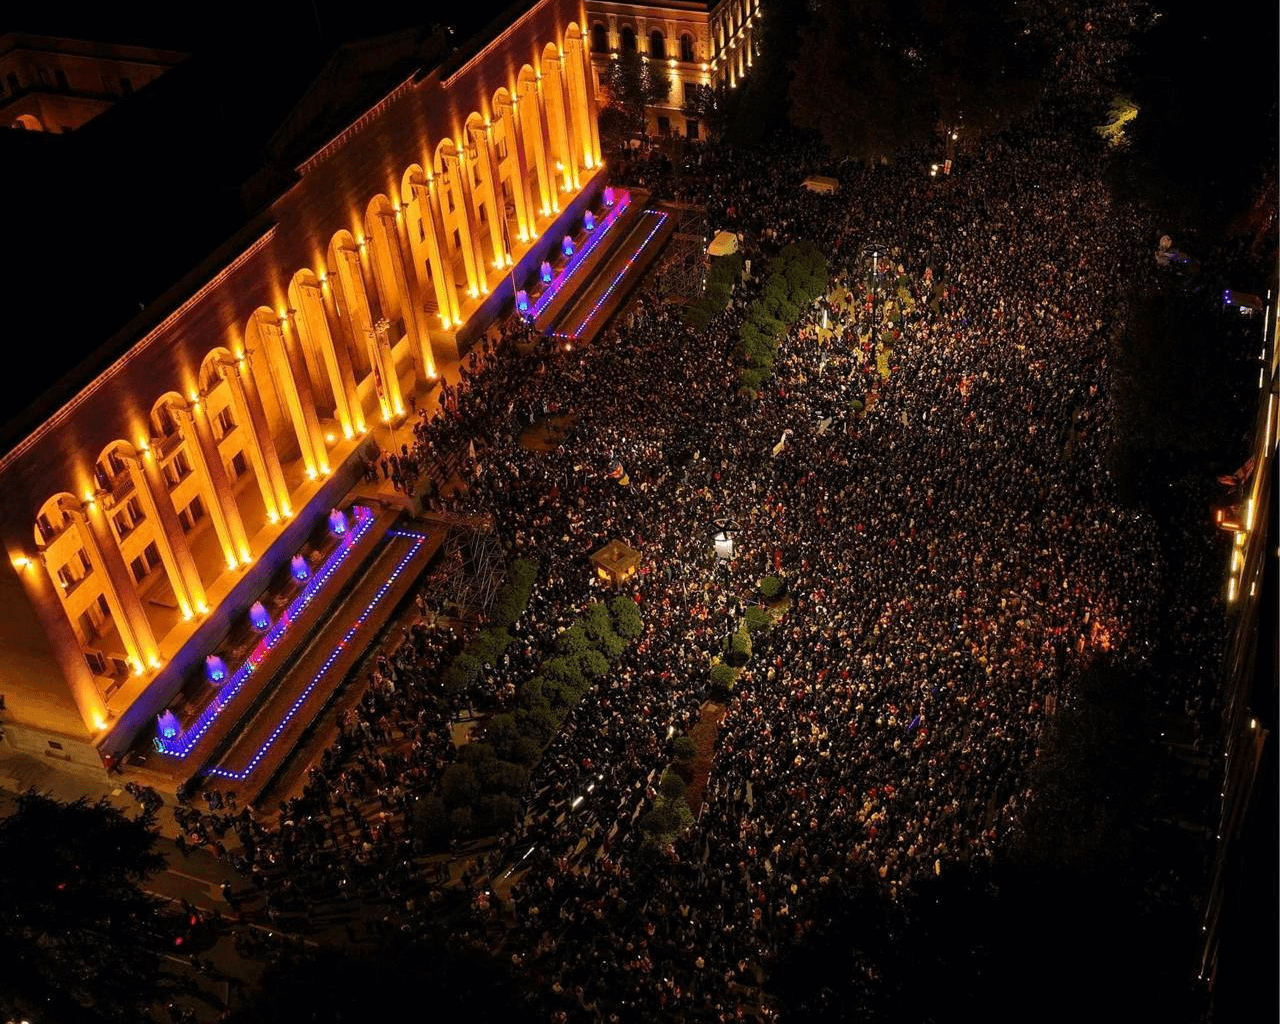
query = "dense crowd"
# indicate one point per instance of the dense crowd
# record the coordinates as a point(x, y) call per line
point(949, 536)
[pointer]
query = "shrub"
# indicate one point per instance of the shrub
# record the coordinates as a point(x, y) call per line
point(461, 822)
point(593, 664)
point(752, 381)
point(459, 785)
point(697, 317)
point(756, 618)
point(771, 587)
point(738, 646)
point(612, 645)
point(432, 822)
point(497, 811)
point(539, 722)
point(723, 676)
point(469, 666)
point(684, 749)
point(565, 670)
point(627, 621)
point(502, 733)
point(511, 600)
point(475, 754)
point(671, 786)
point(597, 621)
point(504, 777)
point(574, 640)
point(526, 750)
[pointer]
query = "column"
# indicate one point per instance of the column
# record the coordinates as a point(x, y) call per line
point(490, 193)
point(411, 304)
point(289, 373)
point(43, 591)
point(215, 487)
point(515, 139)
point(456, 180)
point(153, 494)
point(262, 449)
point(388, 382)
point(117, 585)
point(581, 114)
point(313, 318)
point(546, 179)
point(554, 100)
point(441, 274)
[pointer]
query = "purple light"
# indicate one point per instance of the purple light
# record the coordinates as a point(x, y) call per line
point(182, 745)
point(611, 218)
point(258, 617)
point(589, 221)
point(546, 272)
point(608, 195)
point(662, 219)
point(168, 725)
point(567, 245)
point(522, 301)
point(215, 668)
point(337, 522)
point(299, 569)
point(381, 592)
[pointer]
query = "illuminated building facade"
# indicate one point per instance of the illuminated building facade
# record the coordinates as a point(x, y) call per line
point(697, 45)
point(49, 84)
point(149, 506)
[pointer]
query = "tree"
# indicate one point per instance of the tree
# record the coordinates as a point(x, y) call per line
point(877, 76)
point(708, 105)
point(630, 85)
point(80, 938)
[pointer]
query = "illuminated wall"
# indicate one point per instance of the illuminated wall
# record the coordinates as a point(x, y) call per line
point(696, 45)
point(132, 512)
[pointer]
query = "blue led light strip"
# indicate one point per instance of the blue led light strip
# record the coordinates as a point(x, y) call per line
point(578, 258)
point(617, 279)
point(240, 776)
point(183, 744)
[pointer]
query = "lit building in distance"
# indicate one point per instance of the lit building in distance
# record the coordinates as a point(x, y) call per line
point(697, 45)
point(148, 495)
point(56, 85)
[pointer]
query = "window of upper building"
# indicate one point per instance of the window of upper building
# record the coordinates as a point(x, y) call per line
point(657, 45)
point(599, 38)
point(686, 47)
point(628, 39)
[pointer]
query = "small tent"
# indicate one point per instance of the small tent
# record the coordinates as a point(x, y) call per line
point(821, 185)
point(724, 244)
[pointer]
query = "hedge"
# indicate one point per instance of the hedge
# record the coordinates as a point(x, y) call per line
point(723, 676)
point(755, 618)
point(771, 587)
point(794, 279)
point(491, 775)
point(723, 273)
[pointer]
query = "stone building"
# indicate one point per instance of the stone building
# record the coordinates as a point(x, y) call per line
point(696, 44)
point(147, 494)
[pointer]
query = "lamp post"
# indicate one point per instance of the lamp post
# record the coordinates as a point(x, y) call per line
point(875, 251)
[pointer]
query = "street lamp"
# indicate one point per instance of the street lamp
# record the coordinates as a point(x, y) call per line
point(875, 251)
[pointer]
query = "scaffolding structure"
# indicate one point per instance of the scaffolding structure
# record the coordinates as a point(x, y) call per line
point(683, 269)
point(472, 563)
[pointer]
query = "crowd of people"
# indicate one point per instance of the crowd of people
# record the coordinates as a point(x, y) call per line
point(941, 513)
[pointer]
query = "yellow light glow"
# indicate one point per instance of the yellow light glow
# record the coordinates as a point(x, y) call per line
point(324, 469)
point(1233, 587)
point(202, 608)
point(273, 517)
point(287, 511)
point(22, 562)
point(231, 562)
point(186, 615)
point(246, 559)
point(347, 432)
point(143, 446)
point(137, 666)
point(311, 472)
point(444, 319)
point(399, 409)
point(1248, 514)
point(88, 496)
point(329, 438)
point(154, 662)
point(99, 723)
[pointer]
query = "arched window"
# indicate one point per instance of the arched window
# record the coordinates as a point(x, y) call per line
point(686, 47)
point(628, 39)
point(657, 45)
point(599, 38)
